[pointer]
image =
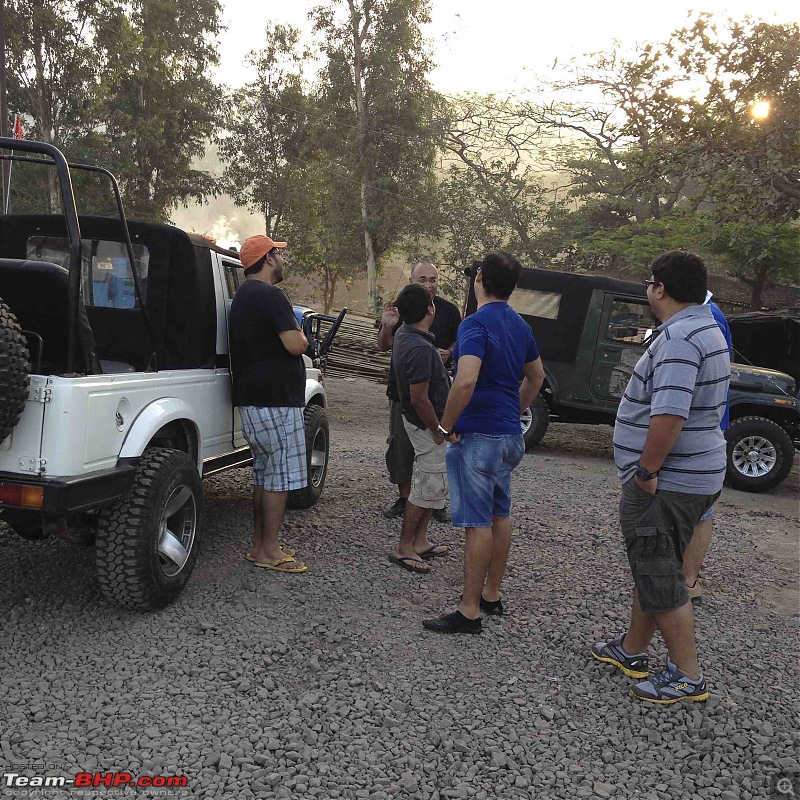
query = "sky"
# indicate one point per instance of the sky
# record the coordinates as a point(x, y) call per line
point(485, 46)
point(501, 46)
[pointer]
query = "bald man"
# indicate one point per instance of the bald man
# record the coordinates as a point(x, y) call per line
point(400, 453)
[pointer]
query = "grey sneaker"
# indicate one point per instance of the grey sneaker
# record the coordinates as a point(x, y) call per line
point(396, 509)
point(634, 666)
point(670, 687)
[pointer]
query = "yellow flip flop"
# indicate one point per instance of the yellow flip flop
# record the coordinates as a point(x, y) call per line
point(287, 550)
point(280, 565)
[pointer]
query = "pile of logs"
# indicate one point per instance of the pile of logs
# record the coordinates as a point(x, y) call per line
point(355, 350)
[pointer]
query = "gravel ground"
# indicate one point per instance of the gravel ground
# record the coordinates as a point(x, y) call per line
point(325, 684)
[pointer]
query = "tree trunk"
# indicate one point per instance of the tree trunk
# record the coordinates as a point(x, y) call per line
point(373, 301)
point(757, 287)
point(44, 118)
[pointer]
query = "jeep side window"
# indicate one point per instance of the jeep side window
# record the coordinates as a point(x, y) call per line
point(533, 303)
point(234, 275)
point(106, 278)
point(629, 322)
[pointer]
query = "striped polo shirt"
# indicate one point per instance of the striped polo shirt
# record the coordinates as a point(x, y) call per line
point(684, 372)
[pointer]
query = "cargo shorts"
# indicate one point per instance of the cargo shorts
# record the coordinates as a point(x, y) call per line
point(429, 477)
point(657, 529)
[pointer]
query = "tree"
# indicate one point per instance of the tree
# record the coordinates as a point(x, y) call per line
point(270, 134)
point(755, 253)
point(159, 106)
point(51, 72)
point(493, 141)
point(381, 116)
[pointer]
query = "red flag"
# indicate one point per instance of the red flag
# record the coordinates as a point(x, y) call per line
point(18, 133)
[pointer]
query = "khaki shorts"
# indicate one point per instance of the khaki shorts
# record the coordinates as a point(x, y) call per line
point(429, 478)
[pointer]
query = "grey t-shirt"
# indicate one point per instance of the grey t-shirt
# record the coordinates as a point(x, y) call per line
point(415, 359)
point(685, 372)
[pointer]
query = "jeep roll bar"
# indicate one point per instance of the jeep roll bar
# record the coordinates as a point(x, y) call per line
point(74, 233)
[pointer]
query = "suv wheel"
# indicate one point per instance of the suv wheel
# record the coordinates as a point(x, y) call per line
point(147, 544)
point(317, 448)
point(534, 422)
point(14, 378)
point(760, 454)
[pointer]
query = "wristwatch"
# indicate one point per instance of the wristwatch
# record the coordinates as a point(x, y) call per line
point(443, 431)
point(643, 475)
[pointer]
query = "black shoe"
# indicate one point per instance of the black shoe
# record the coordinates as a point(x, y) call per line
point(453, 623)
point(440, 515)
point(396, 509)
point(494, 607)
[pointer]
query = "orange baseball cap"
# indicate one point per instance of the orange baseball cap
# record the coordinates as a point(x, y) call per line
point(255, 248)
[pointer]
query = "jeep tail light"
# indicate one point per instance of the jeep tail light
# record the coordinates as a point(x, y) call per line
point(21, 495)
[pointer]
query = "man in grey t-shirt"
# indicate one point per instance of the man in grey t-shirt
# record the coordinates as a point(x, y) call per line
point(423, 386)
point(670, 456)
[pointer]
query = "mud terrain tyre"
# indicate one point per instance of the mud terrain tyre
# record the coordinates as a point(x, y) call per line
point(535, 422)
point(148, 542)
point(760, 454)
point(14, 369)
point(317, 451)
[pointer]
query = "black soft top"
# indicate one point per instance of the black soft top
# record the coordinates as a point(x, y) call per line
point(559, 339)
point(179, 290)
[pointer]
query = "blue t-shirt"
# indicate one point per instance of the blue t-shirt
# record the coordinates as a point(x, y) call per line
point(504, 342)
point(722, 324)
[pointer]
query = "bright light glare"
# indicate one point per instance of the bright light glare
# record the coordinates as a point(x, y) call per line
point(760, 110)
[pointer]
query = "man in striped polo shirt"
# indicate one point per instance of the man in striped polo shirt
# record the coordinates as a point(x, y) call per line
point(670, 456)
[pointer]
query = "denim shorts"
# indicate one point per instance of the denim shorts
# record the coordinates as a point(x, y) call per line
point(708, 515)
point(479, 477)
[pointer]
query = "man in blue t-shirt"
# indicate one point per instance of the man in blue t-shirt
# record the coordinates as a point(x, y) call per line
point(495, 349)
point(704, 530)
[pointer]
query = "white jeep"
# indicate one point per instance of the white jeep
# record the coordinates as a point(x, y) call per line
point(115, 388)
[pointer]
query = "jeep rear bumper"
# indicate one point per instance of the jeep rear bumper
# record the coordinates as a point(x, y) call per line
point(71, 495)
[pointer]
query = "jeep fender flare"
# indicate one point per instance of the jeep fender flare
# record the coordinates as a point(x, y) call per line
point(551, 385)
point(315, 394)
point(152, 419)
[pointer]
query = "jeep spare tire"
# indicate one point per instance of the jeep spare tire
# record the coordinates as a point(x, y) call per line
point(14, 379)
point(317, 450)
point(760, 454)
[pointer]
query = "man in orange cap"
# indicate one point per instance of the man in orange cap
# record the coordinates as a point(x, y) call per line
point(269, 378)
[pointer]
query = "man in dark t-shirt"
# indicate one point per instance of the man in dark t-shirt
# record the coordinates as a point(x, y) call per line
point(269, 377)
point(400, 453)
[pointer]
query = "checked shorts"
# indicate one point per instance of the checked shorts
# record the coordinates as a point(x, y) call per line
point(277, 439)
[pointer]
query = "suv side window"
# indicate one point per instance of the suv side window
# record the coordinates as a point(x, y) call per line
point(629, 322)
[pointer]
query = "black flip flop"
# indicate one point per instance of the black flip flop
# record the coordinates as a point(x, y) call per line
point(434, 552)
point(403, 562)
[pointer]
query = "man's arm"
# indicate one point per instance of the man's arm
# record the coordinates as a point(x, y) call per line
point(531, 383)
point(461, 391)
point(294, 341)
point(389, 322)
point(424, 408)
point(661, 437)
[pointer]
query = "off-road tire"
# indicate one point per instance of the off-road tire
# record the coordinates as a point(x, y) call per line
point(317, 435)
point(130, 569)
point(759, 430)
point(540, 419)
point(14, 368)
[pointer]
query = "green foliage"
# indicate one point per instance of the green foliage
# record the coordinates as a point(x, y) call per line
point(158, 104)
point(382, 115)
point(120, 84)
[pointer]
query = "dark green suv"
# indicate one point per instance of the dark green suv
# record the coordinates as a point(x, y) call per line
point(592, 330)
